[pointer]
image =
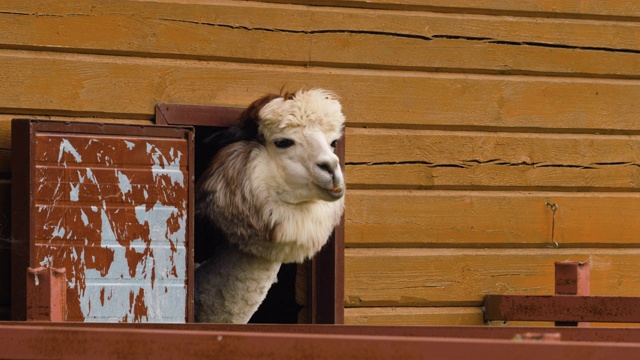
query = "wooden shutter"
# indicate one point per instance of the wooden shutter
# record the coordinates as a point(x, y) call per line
point(109, 205)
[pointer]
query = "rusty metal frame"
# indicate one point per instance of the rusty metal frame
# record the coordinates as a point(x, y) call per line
point(618, 334)
point(327, 267)
point(309, 342)
point(572, 278)
point(571, 306)
point(23, 229)
point(46, 294)
point(562, 308)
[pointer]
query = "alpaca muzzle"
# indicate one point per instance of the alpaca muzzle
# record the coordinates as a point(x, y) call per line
point(337, 192)
point(328, 167)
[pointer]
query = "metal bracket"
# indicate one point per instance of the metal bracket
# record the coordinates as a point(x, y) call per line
point(46, 294)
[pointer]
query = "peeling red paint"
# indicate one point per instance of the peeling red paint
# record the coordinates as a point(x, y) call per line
point(102, 296)
point(140, 308)
point(112, 210)
point(131, 300)
point(133, 259)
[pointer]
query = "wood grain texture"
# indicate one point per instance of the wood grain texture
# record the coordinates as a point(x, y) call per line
point(452, 54)
point(461, 277)
point(159, 29)
point(265, 33)
point(379, 158)
point(490, 219)
point(437, 316)
point(481, 112)
point(618, 9)
point(66, 84)
point(5, 122)
point(420, 316)
point(476, 43)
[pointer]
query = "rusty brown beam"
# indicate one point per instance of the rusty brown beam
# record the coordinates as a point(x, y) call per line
point(631, 335)
point(572, 278)
point(197, 115)
point(46, 294)
point(22, 342)
point(562, 308)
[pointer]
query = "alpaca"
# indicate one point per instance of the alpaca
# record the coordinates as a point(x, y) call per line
point(275, 190)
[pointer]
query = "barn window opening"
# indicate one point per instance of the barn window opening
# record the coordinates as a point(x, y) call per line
point(311, 292)
point(280, 306)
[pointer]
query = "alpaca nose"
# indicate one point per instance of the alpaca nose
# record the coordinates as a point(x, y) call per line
point(328, 166)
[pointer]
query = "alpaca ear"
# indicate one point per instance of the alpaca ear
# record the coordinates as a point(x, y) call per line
point(249, 119)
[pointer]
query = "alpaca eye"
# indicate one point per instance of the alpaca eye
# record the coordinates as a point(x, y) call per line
point(334, 143)
point(283, 143)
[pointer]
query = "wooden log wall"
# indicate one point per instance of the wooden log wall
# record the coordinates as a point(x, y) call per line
point(466, 119)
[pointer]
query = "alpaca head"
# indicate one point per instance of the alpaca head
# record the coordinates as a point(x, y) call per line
point(299, 133)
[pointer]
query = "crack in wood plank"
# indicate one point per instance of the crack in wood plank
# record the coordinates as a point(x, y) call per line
point(308, 32)
point(471, 163)
point(412, 36)
point(41, 14)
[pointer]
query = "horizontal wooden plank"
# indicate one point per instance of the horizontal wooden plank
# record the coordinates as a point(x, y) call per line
point(5, 122)
point(615, 9)
point(420, 176)
point(471, 55)
point(250, 32)
point(443, 159)
point(424, 316)
point(451, 277)
point(65, 84)
point(445, 316)
point(384, 218)
point(548, 8)
point(475, 43)
point(162, 28)
point(171, 21)
point(457, 148)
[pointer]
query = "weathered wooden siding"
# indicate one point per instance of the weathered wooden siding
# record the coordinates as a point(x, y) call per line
point(464, 119)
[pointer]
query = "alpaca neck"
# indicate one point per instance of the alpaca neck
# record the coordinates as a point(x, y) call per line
point(231, 285)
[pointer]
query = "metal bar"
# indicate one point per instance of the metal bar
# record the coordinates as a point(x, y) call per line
point(562, 308)
point(97, 128)
point(476, 332)
point(46, 294)
point(197, 115)
point(104, 343)
point(572, 278)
